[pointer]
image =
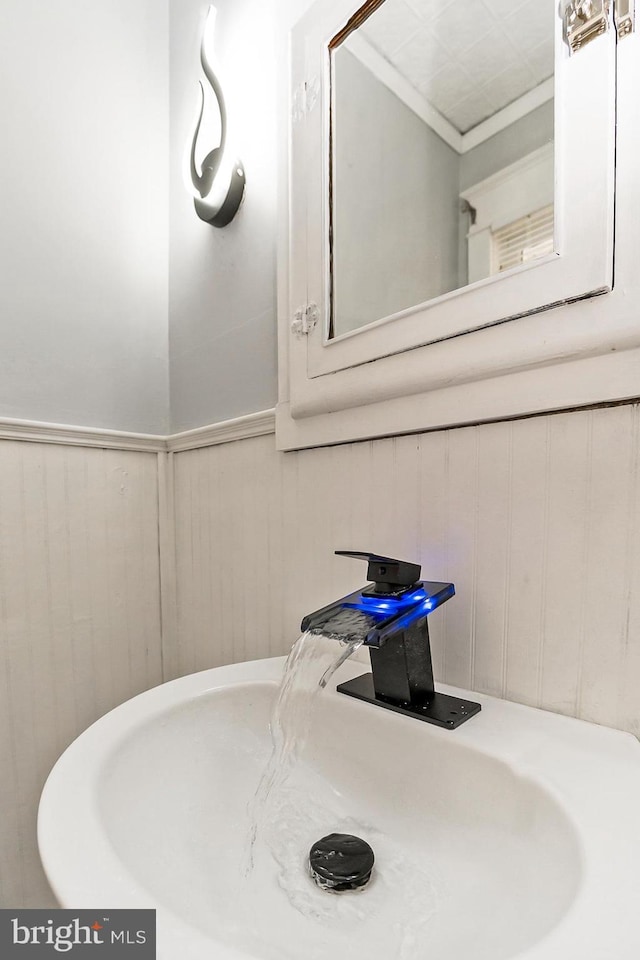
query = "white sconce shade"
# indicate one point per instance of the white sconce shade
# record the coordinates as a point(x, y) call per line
point(219, 186)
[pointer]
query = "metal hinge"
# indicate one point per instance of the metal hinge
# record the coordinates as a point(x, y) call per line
point(313, 93)
point(305, 319)
point(625, 17)
point(298, 103)
point(304, 98)
point(584, 20)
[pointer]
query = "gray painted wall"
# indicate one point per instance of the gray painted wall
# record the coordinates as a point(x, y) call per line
point(396, 192)
point(83, 235)
point(222, 308)
point(90, 309)
point(522, 137)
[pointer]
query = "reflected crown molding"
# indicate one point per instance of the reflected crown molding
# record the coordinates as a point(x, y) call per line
point(388, 75)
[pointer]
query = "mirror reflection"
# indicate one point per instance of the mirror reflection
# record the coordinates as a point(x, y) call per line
point(442, 151)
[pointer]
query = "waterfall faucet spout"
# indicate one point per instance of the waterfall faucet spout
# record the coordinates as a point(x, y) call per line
point(390, 616)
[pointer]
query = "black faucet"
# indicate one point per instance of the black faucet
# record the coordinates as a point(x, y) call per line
point(390, 616)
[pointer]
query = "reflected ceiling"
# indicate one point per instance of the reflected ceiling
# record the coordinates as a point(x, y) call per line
point(497, 49)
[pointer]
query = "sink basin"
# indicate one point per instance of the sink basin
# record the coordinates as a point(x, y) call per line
point(515, 836)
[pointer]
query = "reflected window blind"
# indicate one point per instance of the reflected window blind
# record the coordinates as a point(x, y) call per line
point(524, 239)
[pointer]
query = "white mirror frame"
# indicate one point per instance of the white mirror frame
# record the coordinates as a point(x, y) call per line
point(572, 354)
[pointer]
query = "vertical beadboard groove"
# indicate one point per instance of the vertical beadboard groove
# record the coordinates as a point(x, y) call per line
point(166, 560)
point(275, 551)
point(586, 537)
point(629, 680)
point(214, 506)
point(202, 553)
point(627, 575)
point(462, 515)
point(446, 633)
point(294, 559)
point(491, 561)
point(83, 641)
point(473, 594)
point(78, 681)
point(542, 617)
point(431, 527)
point(504, 645)
point(184, 511)
point(525, 559)
point(565, 547)
point(196, 558)
point(56, 563)
point(236, 589)
point(606, 614)
point(255, 549)
point(406, 484)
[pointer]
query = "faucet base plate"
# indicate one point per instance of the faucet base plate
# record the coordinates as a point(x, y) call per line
point(441, 709)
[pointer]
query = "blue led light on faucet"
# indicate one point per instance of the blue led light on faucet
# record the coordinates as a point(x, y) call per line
point(393, 613)
point(387, 605)
point(406, 619)
point(384, 614)
point(391, 606)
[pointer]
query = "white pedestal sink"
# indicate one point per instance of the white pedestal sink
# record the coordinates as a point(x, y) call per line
point(515, 836)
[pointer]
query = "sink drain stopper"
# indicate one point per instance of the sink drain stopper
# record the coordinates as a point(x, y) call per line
point(341, 862)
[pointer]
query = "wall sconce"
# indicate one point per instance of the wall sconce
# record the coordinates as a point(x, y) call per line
point(220, 186)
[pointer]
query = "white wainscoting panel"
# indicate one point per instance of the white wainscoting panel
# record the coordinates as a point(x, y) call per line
point(537, 522)
point(79, 619)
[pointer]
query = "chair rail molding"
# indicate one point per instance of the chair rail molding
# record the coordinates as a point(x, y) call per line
point(239, 428)
point(70, 435)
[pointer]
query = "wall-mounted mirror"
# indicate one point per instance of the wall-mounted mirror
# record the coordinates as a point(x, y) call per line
point(438, 218)
point(442, 150)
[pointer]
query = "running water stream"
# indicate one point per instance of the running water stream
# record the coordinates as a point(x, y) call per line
point(313, 660)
